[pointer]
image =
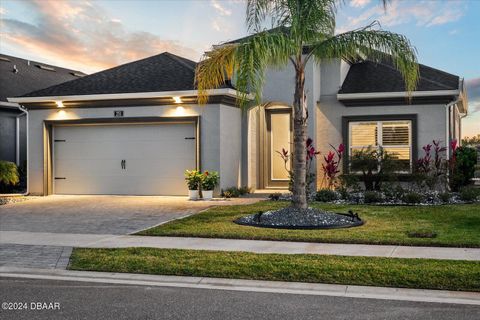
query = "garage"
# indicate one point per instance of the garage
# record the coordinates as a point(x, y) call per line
point(123, 159)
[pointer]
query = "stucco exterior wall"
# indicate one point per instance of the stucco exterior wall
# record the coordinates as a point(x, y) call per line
point(230, 147)
point(431, 122)
point(210, 144)
point(8, 136)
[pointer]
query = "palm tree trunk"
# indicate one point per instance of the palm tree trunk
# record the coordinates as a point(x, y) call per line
point(299, 199)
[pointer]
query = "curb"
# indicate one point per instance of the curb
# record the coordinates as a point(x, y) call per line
point(318, 289)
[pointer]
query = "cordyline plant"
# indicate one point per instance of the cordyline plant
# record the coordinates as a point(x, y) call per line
point(311, 155)
point(432, 171)
point(302, 30)
point(331, 165)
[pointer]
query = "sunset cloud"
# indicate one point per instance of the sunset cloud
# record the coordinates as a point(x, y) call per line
point(82, 36)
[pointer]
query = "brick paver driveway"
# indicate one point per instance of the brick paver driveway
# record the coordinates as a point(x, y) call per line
point(86, 215)
point(96, 214)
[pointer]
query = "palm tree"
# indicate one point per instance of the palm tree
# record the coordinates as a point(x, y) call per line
point(301, 30)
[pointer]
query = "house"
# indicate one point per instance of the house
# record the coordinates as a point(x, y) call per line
point(19, 76)
point(135, 128)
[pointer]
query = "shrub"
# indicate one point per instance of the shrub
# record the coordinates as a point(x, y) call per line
point(331, 165)
point(463, 167)
point(343, 192)
point(375, 165)
point(234, 192)
point(193, 178)
point(445, 196)
point(412, 197)
point(244, 190)
point(392, 192)
point(350, 182)
point(431, 172)
point(210, 180)
point(326, 195)
point(469, 194)
point(275, 196)
point(8, 175)
point(372, 197)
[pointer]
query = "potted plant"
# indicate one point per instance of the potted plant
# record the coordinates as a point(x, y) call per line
point(193, 178)
point(209, 182)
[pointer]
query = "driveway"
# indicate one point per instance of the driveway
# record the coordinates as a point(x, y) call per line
point(99, 214)
point(102, 215)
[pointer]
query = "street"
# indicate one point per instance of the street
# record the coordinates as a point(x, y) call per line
point(81, 300)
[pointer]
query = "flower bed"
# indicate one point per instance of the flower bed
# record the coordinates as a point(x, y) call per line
point(467, 195)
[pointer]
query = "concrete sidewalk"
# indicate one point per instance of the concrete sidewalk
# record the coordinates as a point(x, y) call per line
point(256, 246)
point(319, 289)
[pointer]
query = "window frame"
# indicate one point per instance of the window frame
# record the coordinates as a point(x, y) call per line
point(379, 119)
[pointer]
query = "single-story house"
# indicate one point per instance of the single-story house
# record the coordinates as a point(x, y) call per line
point(135, 128)
point(19, 76)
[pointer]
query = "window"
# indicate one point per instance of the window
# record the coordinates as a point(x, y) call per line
point(394, 136)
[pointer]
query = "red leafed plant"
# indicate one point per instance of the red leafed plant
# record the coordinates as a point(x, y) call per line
point(331, 164)
point(311, 154)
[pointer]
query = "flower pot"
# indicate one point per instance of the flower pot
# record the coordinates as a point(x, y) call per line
point(207, 194)
point(193, 194)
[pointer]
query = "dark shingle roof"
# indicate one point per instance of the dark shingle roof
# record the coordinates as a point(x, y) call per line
point(29, 76)
point(368, 76)
point(162, 72)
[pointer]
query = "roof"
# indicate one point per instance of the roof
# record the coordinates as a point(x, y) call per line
point(19, 76)
point(369, 76)
point(366, 76)
point(162, 72)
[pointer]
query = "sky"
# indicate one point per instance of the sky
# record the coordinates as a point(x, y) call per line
point(93, 35)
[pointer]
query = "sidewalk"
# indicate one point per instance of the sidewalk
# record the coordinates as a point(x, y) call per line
point(319, 289)
point(256, 246)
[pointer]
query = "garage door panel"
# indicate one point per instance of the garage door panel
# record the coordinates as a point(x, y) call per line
point(89, 159)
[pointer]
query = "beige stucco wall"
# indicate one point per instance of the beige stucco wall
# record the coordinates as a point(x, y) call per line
point(216, 120)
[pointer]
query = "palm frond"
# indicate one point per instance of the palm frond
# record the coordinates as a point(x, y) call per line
point(244, 63)
point(372, 44)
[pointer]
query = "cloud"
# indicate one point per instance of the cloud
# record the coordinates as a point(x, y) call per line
point(359, 3)
point(3, 11)
point(220, 9)
point(81, 35)
point(420, 13)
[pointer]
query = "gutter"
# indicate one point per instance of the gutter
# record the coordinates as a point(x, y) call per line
point(448, 110)
point(120, 96)
point(374, 95)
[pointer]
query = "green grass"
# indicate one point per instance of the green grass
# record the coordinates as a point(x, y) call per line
point(454, 225)
point(389, 272)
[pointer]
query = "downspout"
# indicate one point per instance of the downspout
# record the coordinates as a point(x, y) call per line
point(24, 112)
point(448, 111)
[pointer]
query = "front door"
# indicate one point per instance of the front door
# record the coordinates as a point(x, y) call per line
point(278, 138)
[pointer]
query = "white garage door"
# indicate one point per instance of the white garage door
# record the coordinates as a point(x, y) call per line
point(133, 159)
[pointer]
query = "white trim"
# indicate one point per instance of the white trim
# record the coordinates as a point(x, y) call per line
point(8, 105)
point(119, 96)
point(373, 95)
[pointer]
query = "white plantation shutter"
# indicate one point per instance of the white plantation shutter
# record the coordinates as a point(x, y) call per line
point(394, 136)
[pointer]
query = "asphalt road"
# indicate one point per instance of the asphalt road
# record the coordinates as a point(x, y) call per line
point(80, 300)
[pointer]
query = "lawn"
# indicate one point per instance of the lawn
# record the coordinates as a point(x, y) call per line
point(454, 225)
point(387, 272)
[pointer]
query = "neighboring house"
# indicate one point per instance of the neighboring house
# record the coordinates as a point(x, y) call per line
point(19, 76)
point(135, 128)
